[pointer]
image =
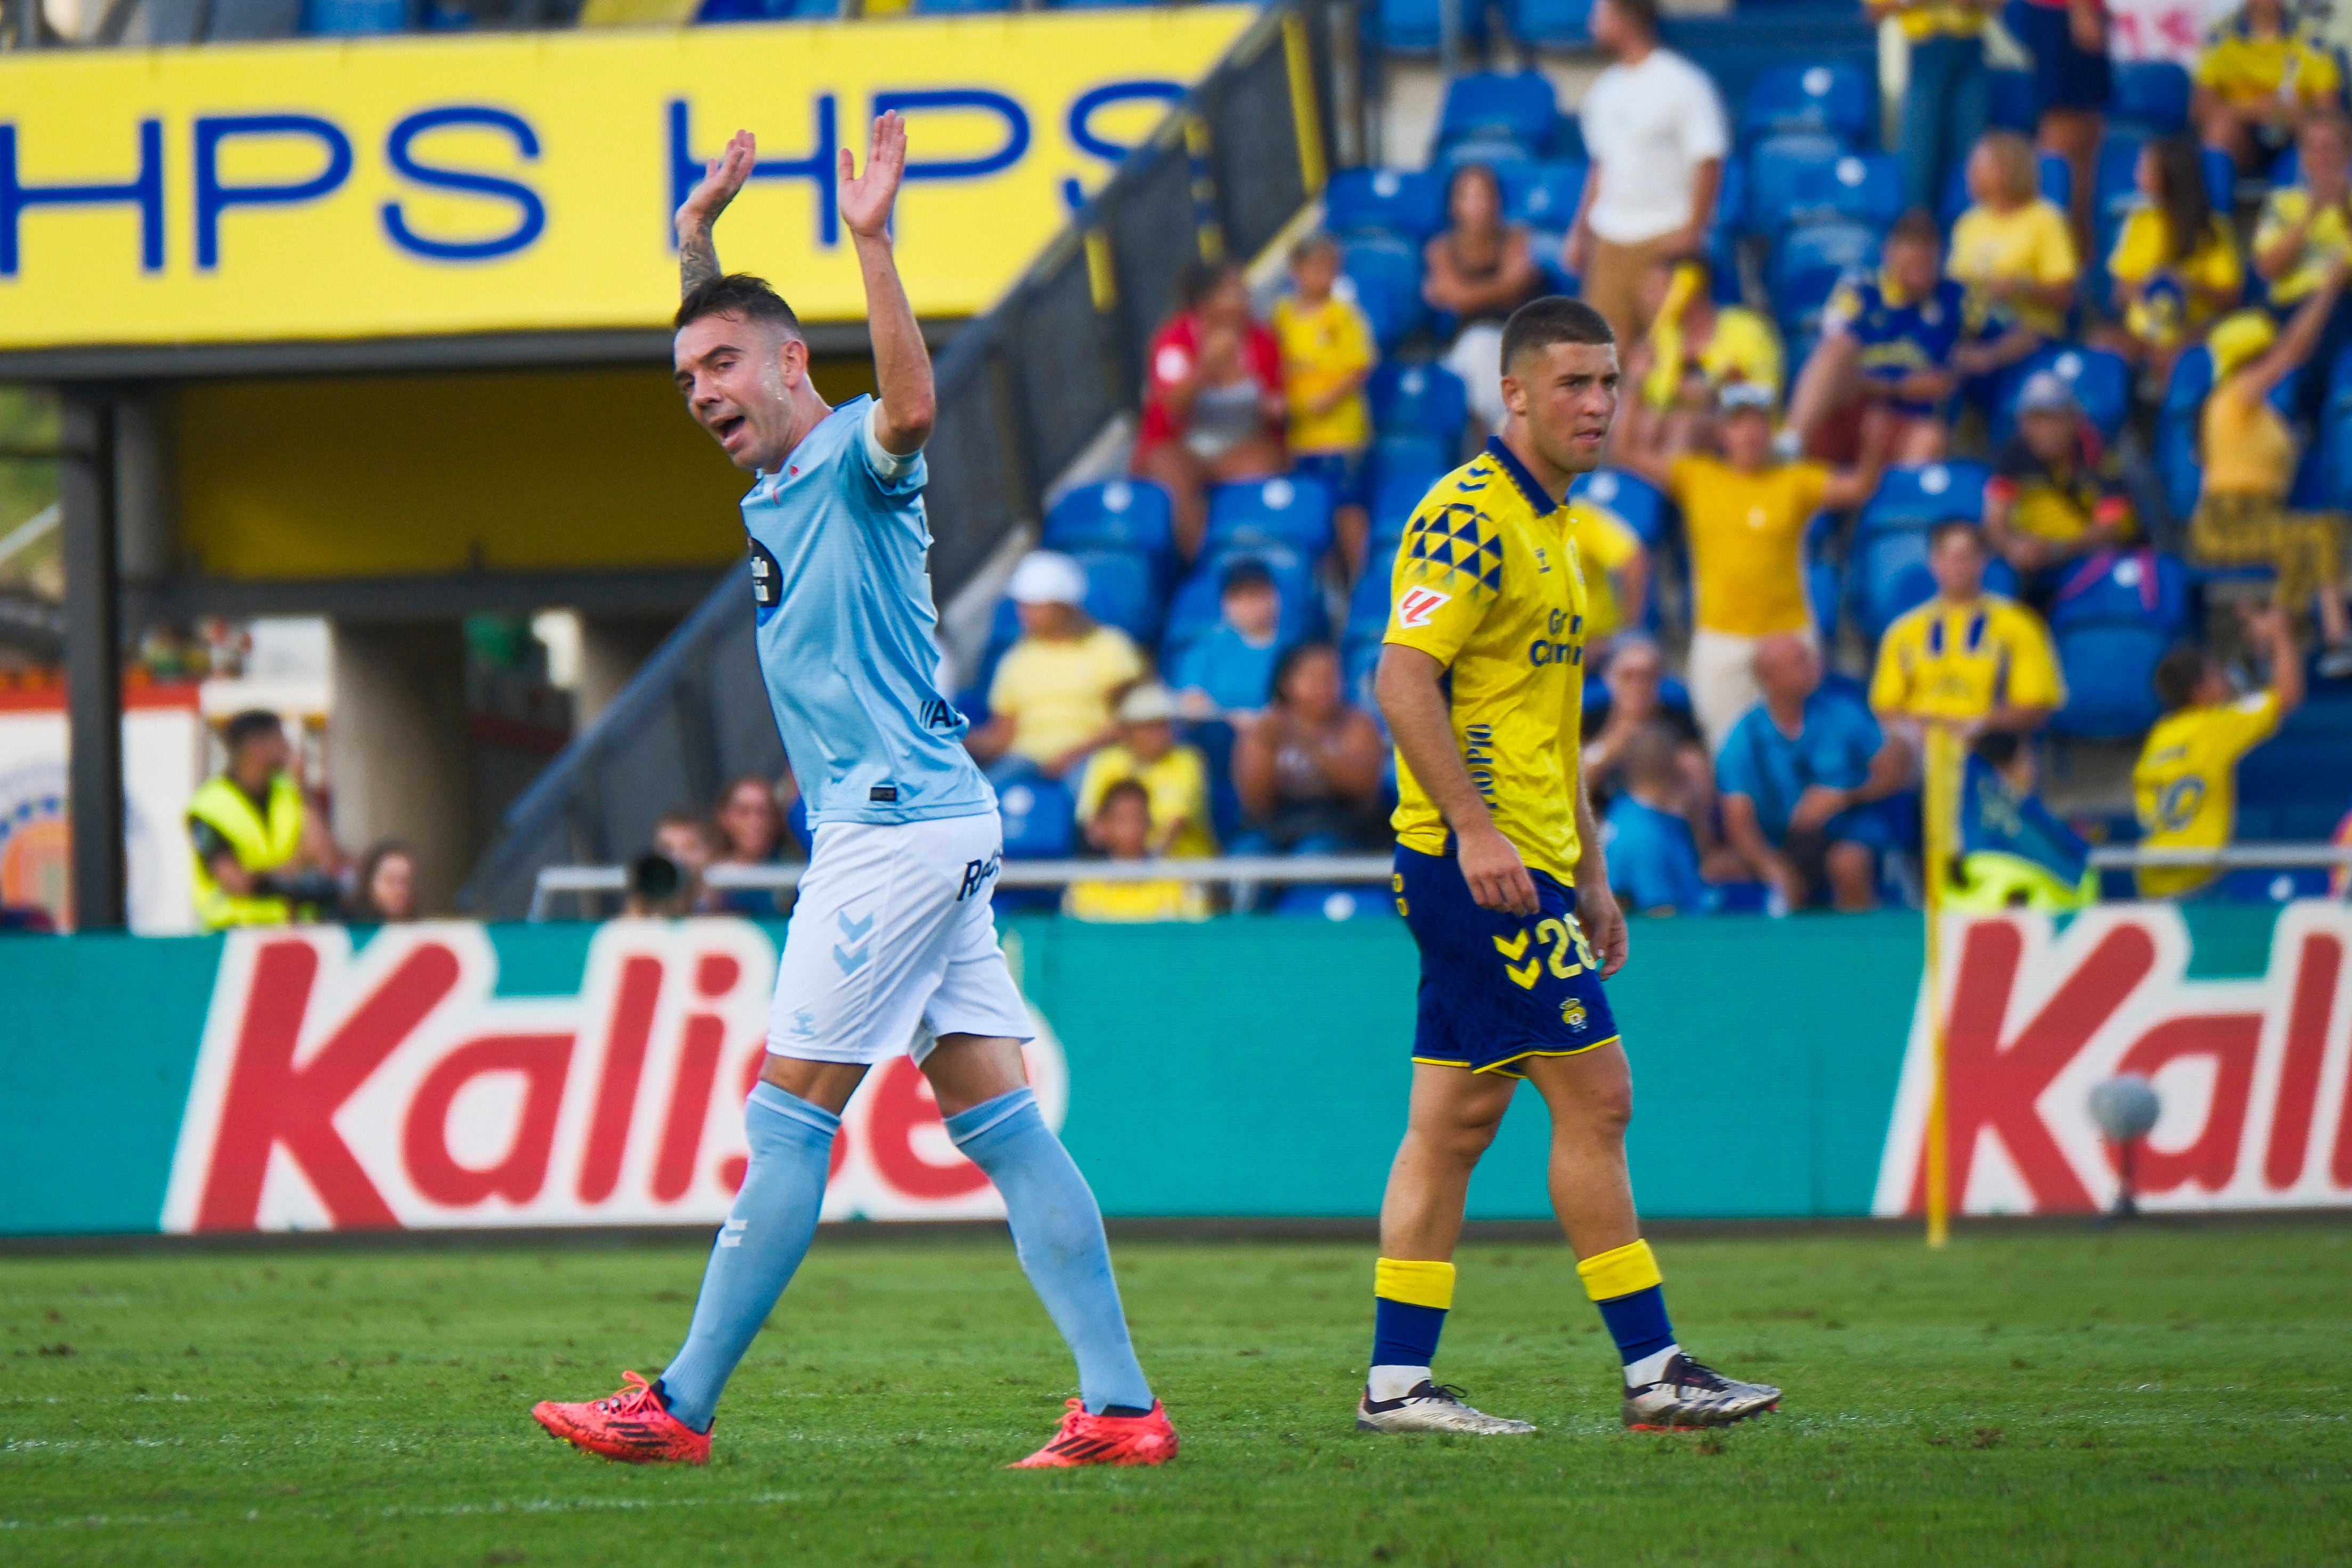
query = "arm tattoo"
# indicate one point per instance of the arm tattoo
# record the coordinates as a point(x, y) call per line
point(697, 261)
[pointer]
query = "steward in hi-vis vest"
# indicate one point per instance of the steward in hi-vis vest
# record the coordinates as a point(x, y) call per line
point(254, 864)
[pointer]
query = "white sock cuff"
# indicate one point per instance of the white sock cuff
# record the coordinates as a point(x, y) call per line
point(1650, 1368)
point(1396, 1381)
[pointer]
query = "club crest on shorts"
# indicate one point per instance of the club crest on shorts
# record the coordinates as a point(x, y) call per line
point(1571, 1013)
point(1418, 603)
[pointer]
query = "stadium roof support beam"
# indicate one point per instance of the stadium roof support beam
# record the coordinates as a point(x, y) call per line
point(93, 657)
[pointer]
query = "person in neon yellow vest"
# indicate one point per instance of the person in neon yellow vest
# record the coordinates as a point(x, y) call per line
point(263, 853)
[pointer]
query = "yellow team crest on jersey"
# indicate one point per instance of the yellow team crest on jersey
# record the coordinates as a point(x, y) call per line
point(1571, 1013)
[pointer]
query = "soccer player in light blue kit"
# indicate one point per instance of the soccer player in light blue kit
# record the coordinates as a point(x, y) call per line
point(892, 939)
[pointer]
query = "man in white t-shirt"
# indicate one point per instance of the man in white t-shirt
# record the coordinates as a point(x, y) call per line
point(1655, 131)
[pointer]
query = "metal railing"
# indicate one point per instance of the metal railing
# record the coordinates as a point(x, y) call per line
point(2224, 857)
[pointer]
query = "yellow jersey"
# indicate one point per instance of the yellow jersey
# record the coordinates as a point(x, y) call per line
point(2247, 446)
point(1322, 346)
point(2211, 276)
point(1177, 781)
point(1486, 583)
point(1604, 542)
point(2243, 70)
point(1136, 902)
point(2329, 236)
point(1743, 349)
point(1959, 662)
point(1939, 18)
point(1746, 534)
point(2034, 242)
point(2186, 783)
point(1058, 691)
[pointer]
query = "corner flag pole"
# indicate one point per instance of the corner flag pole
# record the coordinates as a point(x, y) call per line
point(1941, 808)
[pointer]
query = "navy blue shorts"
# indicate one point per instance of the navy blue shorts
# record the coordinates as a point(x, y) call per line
point(1344, 472)
point(1497, 989)
point(2064, 76)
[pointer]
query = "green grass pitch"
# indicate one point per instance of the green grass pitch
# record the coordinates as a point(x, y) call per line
point(2032, 1396)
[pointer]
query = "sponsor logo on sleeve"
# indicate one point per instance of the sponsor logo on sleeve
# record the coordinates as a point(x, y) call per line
point(1418, 604)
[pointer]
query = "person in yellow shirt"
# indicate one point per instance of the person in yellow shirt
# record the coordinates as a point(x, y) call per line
point(2241, 519)
point(1327, 353)
point(1050, 703)
point(1175, 776)
point(1745, 514)
point(2305, 229)
point(1946, 91)
point(2014, 248)
point(1121, 829)
point(2261, 74)
point(2186, 784)
point(2175, 261)
point(1616, 572)
point(1695, 348)
point(264, 854)
point(1966, 659)
point(2056, 492)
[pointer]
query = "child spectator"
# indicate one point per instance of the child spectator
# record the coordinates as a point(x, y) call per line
point(1653, 858)
point(385, 888)
point(1797, 778)
point(1478, 272)
point(750, 827)
point(2012, 247)
point(1308, 769)
point(2056, 493)
point(2262, 75)
point(1050, 703)
point(2249, 464)
point(1948, 91)
point(2175, 261)
point(1328, 353)
point(1967, 659)
point(1175, 777)
point(1228, 668)
point(1893, 348)
point(1120, 829)
point(2014, 854)
point(1213, 399)
point(1694, 350)
point(2186, 784)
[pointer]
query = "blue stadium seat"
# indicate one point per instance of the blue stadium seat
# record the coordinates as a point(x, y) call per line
point(353, 18)
point(1790, 183)
point(1838, 99)
point(1395, 493)
point(2250, 886)
point(2286, 169)
point(1411, 399)
point(1123, 591)
point(1359, 664)
point(1766, 170)
point(2139, 586)
point(1125, 514)
point(2113, 620)
point(1037, 819)
point(1421, 458)
point(2150, 97)
point(1919, 498)
point(1549, 24)
point(1638, 503)
point(946, 7)
point(1517, 106)
point(1316, 900)
point(1409, 203)
point(1368, 606)
point(1385, 275)
point(2114, 185)
point(1413, 27)
point(1496, 155)
point(2013, 104)
point(1289, 510)
point(1195, 606)
point(2101, 381)
point(2220, 180)
point(2179, 470)
point(1543, 195)
point(1806, 265)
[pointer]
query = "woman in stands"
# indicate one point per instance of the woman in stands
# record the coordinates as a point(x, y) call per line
point(2175, 263)
point(1309, 770)
point(1213, 399)
point(2304, 230)
point(385, 887)
point(750, 831)
point(1478, 271)
point(2250, 458)
point(2262, 75)
point(1694, 349)
point(2012, 247)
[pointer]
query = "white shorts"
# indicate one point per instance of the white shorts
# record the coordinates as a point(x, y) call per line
point(892, 932)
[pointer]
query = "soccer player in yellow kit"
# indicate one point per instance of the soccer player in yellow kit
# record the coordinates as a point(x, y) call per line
point(1501, 879)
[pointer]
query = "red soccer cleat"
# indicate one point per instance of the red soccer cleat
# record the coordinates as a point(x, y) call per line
point(632, 1425)
point(1086, 1439)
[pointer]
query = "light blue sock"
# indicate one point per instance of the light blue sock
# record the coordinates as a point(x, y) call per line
point(766, 1234)
point(1059, 1233)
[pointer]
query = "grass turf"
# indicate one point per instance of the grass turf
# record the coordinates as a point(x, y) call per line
point(2159, 1395)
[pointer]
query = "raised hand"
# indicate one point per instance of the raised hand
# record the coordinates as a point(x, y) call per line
point(722, 177)
point(866, 199)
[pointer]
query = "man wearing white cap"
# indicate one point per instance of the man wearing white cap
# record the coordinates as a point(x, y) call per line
point(2056, 492)
point(1050, 704)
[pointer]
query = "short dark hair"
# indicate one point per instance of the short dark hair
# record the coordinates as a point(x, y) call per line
point(1918, 224)
point(1248, 572)
point(2178, 676)
point(1200, 280)
point(251, 725)
point(1315, 242)
point(1552, 318)
point(1294, 655)
point(1966, 525)
point(1120, 791)
point(736, 294)
point(1642, 13)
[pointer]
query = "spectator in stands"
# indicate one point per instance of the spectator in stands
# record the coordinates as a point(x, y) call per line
point(1639, 699)
point(1327, 355)
point(751, 832)
point(1212, 398)
point(263, 854)
point(1655, 131)
point(2262, 75)
point(1966, 659)
point(1228, 668)
point(2056, 493)
point(1478, 272)
point(1616, 565)
point(2304, 230)
point(2072, 81)
point(1893, 350)
point(2186, 785)
point(2014, 248)
point(2014, 852)
point(1050, 703)
point(385, 890)
point(1798, 778)
point(687, 843)
point(1653, 859)
point(1947, 92)
point(1745, 515)
point(1121, 829)
point(2249, 464)
point(1175, 777)
point(2175, 261)
point(1309, 769)
point(1694, 350)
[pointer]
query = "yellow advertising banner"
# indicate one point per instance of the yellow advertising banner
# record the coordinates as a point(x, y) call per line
point(426, 185)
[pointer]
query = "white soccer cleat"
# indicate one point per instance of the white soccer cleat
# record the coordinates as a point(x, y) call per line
point(1433, 1408)
point(1691, 1395)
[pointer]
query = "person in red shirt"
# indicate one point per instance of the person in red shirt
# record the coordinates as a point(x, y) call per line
point(1213, 401)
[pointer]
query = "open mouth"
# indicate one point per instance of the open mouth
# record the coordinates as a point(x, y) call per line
point(725, 428)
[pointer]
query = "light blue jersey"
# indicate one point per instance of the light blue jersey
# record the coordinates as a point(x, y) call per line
point(845, 634)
